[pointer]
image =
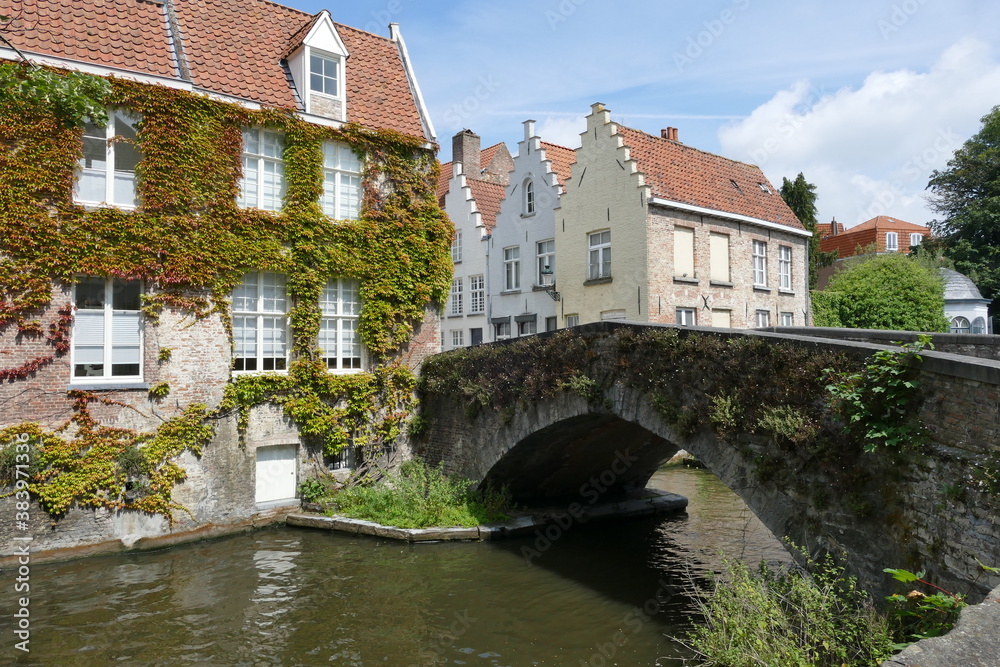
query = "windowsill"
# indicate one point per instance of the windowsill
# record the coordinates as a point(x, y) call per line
point(281, 372)
point(455, 261)
point(542, 288)
point(786, 292)
point(684, 280)
point(528, 215)
point(106, 386)
point(510, 291)
point(478, 312)
point(762, 288)
point(720, 283)
point(451, 317)
point(92, 205)
point(598, 281)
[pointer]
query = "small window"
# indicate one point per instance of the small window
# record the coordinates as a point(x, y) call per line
point(759, 264)
point(915, 240)
point(764, 188)
point(456, 247)
point(477, 294)
point(600, 255)
point(979, 325)
point(107, 329)
point(456, 297)
point(891, 241)
point(527, 328)
point(345, 459)
point(572, 320)
point(784, 267)
point(457, 338)
point(502, 330)
point(788, 319)
point(687, 317)
point(961, 325)
point(512, 268)
point(260, 323)
point(324, 74)
point(475, 336)
point(735, 184)
point(529, 197)
point(107, 168)
point(763, 319)
point(546, 254)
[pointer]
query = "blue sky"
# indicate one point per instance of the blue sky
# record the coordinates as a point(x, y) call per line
point(865, 98)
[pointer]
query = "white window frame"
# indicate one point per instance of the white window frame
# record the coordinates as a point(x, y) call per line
point(339, 342)
point(529, 197)
point(477, 294)
point(119, 184)
point(456, 247)
point(787, 319)
point(545, 251)
point(960, 324)
point(501, 330)
point(763, 318)
point(687, 317)
point(512, 268)
point(892, 242)
point(599, 254)
point(269, 314)
point(118, 329)
point(319, 81)
point(785, 267)
point(341, 198)
point(916, 239)
point(263, 183)
point(759, 264)
point(572, 320)
point(458, 338)
point(456, 296)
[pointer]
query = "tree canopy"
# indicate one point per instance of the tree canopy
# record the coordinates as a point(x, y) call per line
point(888, 291)
point(800, 195)
point(967, 196)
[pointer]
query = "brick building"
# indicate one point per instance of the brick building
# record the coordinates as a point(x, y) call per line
point(884, 233)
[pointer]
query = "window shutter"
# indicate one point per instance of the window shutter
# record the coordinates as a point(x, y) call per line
point(684, 252)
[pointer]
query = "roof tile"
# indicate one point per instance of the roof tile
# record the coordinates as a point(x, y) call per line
point(562, 159)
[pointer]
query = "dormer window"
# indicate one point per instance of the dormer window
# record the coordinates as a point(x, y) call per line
point(324, 74)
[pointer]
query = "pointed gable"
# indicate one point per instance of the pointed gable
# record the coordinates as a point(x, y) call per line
point(562, 160)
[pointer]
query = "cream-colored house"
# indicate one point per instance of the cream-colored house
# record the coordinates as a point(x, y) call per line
point(651, 230)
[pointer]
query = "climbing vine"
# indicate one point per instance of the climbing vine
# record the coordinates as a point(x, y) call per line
point(190, 244)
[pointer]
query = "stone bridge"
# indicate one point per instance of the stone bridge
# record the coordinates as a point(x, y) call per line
point(590, 413)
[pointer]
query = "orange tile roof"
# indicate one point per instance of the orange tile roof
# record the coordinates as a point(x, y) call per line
point(232, 47)
point(690, 176)
point(846, 243)
point(562, 159)
point(889, 224)
point(444, 178)
point(487, 154)
point(826, 228)
point(488, 198)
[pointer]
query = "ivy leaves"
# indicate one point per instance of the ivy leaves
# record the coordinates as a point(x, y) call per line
point(73, 97)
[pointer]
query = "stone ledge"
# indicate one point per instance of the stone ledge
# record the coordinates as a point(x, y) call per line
point(657, 502)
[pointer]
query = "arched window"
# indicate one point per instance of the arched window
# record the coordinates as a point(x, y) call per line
point(960, 325)
point(529, 197)
point(979, 326)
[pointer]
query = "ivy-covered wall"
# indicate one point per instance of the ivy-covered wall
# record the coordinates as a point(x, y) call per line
point(190, 244)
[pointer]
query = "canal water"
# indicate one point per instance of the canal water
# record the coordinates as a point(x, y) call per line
point(607, 594)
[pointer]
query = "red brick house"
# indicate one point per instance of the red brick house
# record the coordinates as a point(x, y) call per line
point(887, 234)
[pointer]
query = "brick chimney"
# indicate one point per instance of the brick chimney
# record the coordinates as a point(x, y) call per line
point(833, 227)
point(669, 133)
point(465, 148)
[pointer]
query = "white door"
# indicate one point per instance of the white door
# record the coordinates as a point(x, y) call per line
point(275, 473)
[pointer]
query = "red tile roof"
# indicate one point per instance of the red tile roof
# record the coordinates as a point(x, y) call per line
point(846, 243)
point(232, 47)
point(562, 160)
point(488, 198)
point(487, 154)
point(690, 176)
point(826, 228)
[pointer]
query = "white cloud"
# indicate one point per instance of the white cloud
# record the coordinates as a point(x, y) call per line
point(871, 150)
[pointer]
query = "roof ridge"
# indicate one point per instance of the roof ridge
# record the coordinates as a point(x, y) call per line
point(549, 143)
point(365, 32)
point(681, 144)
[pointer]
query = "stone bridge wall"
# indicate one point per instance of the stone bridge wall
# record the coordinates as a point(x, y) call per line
point(970, 345)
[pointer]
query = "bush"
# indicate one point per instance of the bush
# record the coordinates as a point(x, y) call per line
point(812, 617)
point(420, 496)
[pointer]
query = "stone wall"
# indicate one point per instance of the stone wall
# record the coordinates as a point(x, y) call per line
point(970, 345)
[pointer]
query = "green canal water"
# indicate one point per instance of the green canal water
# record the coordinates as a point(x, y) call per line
point(605, 594)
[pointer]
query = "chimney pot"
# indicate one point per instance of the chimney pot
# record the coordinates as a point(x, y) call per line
point(673, 134)
point(665, 133)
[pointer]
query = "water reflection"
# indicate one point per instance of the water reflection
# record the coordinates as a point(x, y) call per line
point(295, 597)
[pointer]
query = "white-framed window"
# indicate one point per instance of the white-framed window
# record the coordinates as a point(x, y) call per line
point(719, 257)
point(345, 459)
point(260, 323)
point(527, 328)
point(916, 239)
point(341, 198)
point(960, 325)
point(600, 254)
point(979, 325)
point(502, 330)
point(107, 329)
point(572, 321)
point(763, 318)
point(687, 317)
point(891, 241)
point(784, 267)
point(477, 294)
point(546, 253)
point(529, 197)
point(551, 323)
point(456, 297)
point(759, 264)
point(263, 184)
point(456, 247)
point(684, 252)
point(324, 74)
point(512, 268)
point(339, 342)
point(788, 319)
point(458, 338)
point(107, 168)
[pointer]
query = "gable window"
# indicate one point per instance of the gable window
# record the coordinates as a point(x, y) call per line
point(687, 317)
point(763, 318)
point(891, 241)
point(546, 251)
point(529, 197)
point(719, 257)
point(759, 264)
point(456, 296)
point(477, 294)
point(263, 184)
point(456, 247)
point(512, 268)
point(784, 267)
point(324, 74)
point(107, 168)
point(340, 306)
point(107, 332)
point(916, 239)
point(600, 254)
point(260, 323)
point(341, 198)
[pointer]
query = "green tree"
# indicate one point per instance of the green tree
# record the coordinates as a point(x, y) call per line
point(967, 196)
point(800, 195)
point(889, 291)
